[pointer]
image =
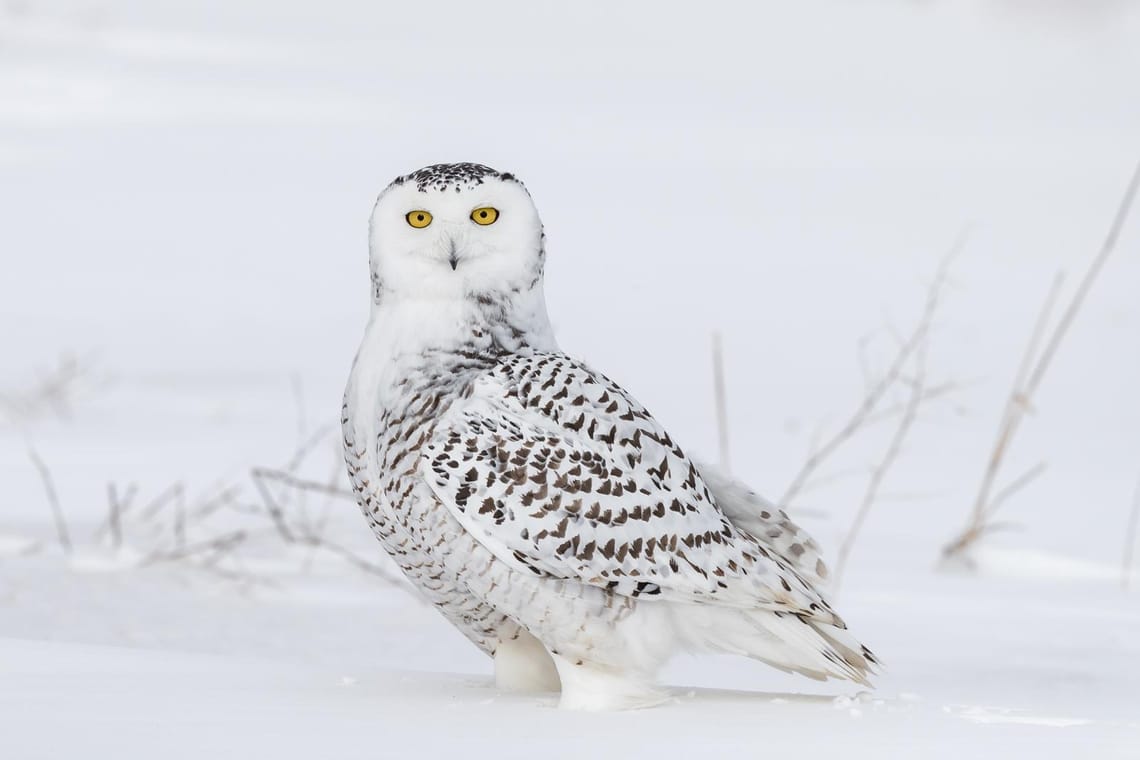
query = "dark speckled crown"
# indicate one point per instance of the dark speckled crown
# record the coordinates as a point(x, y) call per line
point(459, 176)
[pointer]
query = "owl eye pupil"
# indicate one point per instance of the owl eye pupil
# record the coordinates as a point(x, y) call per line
point(483, 214)
point(419, 217)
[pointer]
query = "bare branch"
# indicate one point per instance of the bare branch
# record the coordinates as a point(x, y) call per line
point(206, 507)
point(930, 393)
point(292, 481)
point(866, 408)
point(53, 501)
point(1015, 406)
point(719, 397)
point(351, 558)
point(304, 535)
point(864, 362)
point(307, 446)
point(889, 457)
point(117, 507)
point(1032, 371)
point(114, 517)
point(53, 392)
point(172, 493)
point(1086, 283)
point(1130, 539)
point(180, 518)
point(221, 544)
point(1018, 483)
point(272, 508)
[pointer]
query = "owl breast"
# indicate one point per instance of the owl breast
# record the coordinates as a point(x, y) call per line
point(387, 419)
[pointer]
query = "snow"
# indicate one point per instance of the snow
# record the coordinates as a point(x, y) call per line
point(185, 192)
point(155, 661)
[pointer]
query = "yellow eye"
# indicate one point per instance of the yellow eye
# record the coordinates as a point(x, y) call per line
point(418, 219)
point(485, 215)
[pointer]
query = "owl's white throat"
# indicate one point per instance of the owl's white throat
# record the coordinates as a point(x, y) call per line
point(402, 328)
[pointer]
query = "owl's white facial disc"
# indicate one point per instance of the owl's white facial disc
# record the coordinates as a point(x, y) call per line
point(425, 243)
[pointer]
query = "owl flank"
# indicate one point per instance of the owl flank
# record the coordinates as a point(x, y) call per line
point(535, 502)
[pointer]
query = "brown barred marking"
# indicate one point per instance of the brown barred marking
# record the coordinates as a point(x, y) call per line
point(651, 519)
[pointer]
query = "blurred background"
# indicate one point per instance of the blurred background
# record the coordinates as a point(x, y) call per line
point(185, 189)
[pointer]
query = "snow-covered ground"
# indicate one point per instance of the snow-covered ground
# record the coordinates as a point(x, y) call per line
point(185, 188)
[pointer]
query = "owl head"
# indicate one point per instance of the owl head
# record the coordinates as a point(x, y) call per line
point(455, 231)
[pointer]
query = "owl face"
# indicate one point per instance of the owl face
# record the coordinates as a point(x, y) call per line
point(455, 231)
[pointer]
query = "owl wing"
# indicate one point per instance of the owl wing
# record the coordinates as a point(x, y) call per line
point(559, 472)
point(767, 523)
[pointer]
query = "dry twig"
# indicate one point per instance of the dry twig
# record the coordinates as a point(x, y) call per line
point(212, 548)
point(53, 501)
point(1130, 539)
point(721, 402)
point(303, 534)
point(114, 517)
point(54, 391)
point(866, 410)
point(1033, 367)
point(300, 484)
point(272, 508)
point(892, 452)
point(170, 494)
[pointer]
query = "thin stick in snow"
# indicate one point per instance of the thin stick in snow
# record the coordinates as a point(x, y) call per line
point(1018, 483)
point(1130, 539)
point(180, 518)
point(117, 506)
point(215, 546)
point(158, 503)
point(721, 402)
point(114, 517)
point(53, 501)
point(303, 534)
point(55, 391)
point(1015, 405)
point(272, 508)
point(906, 422)
point(1032, 371)
point(866, 408)
point(292, 481)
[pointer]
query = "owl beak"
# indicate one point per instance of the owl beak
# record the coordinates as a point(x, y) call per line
point(452, 255)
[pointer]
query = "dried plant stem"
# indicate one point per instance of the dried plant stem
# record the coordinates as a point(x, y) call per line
point(1011, 419)
point(865, 411)
point(1015, 485)
point(1087, 281)
point(215, 546)
point(304, 535)
point(894, 448)
point(719, 396)
point(205, 507)
point(172, 492)
point(302, 485)
point(53, 501)
point(180, 518)
point(1033, 367)
point(930, 393)
point(114, 517)
point(351, 558)
point(272, 508)
point(1130, 539)
point(307, 446)
point(54, 391)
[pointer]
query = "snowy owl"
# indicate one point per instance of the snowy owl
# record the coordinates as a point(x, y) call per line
point(533, 500)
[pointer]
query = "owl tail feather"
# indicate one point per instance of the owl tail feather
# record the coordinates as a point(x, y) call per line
point(786, 641)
